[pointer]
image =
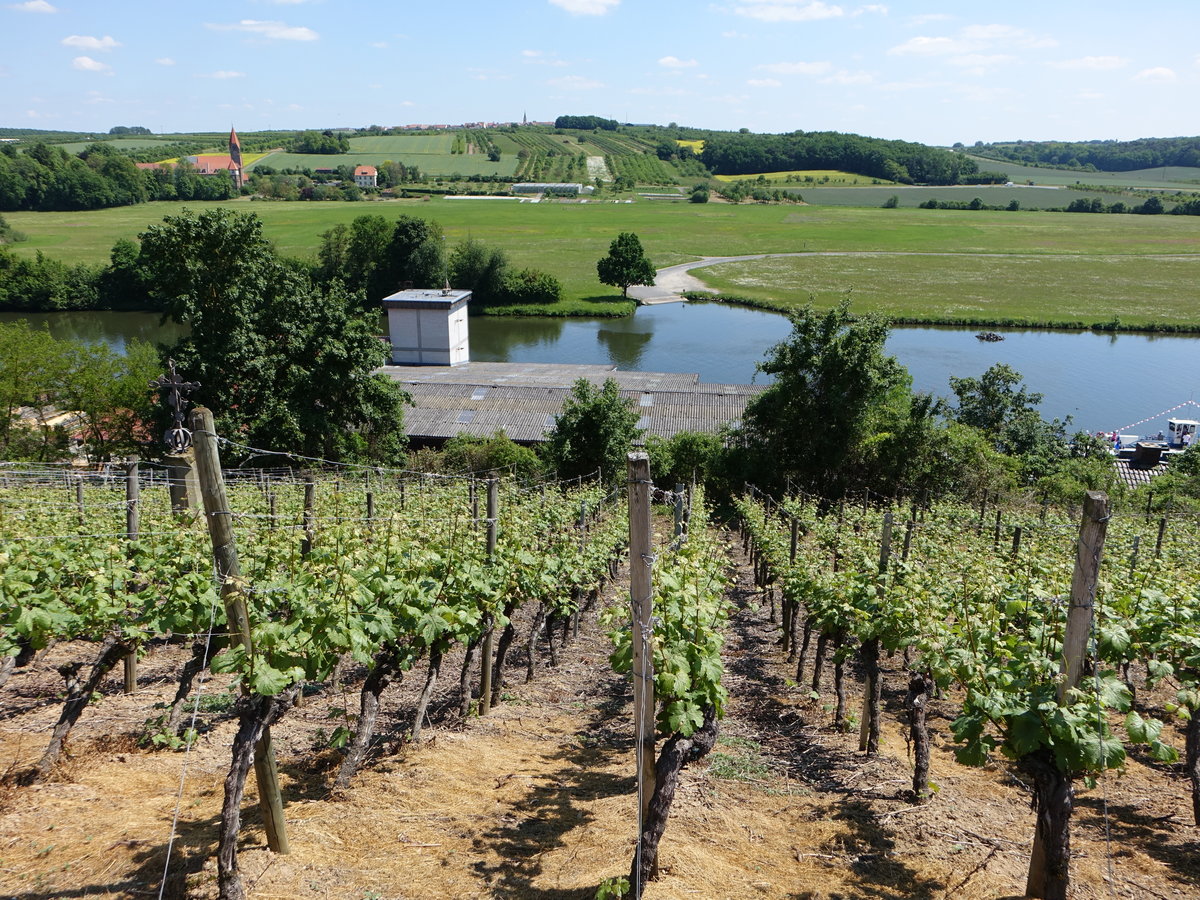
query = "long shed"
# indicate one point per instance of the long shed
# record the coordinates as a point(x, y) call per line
point(523, 399)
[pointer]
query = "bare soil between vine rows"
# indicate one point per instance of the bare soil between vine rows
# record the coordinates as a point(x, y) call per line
point(536, 800)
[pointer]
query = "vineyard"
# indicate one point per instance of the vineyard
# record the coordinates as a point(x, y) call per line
point(806, 685)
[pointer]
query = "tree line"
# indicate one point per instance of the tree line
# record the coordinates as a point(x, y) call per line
point(46, 178)
point(902, 161)
point(1103, 156)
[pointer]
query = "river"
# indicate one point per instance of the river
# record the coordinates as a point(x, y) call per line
point(1104, 382)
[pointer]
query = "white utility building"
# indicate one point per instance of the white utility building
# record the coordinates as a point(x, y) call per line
point(428, 327)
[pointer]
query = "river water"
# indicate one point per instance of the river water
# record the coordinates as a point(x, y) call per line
point(1104, 382)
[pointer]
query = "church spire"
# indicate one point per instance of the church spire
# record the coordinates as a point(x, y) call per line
point(235, 157)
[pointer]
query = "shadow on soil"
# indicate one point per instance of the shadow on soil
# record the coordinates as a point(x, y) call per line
point(1160, 838)
point(549, 812)
point(797, 747)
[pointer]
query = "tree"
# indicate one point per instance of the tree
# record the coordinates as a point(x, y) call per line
point(475, 267)
point(625, 264)
point(836, 396)
point(282, 362)
point(594, 432)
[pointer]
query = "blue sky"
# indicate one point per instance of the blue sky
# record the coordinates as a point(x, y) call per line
point(935, 72)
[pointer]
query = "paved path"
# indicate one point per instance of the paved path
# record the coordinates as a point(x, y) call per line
point(671, 282)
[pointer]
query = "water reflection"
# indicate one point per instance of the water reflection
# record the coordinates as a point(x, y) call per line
point(625, 348)
point(112, 328)
point(1104, 381)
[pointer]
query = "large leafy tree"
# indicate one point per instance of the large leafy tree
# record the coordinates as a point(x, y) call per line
point(595, 431)
point(836, 400)
point(284, 363)
point(625, 264)
point(377, 256)
point(999, 405)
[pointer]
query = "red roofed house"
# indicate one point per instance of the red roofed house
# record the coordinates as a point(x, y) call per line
point(365, 176)
point(212, 163)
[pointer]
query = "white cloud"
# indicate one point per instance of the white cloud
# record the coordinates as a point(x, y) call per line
point(674, 62)
point(274, 31)
point(846, 78)
point(87, 42)
point(541, 58)
point(1092, 62)
point(586, 7)
point(576, 83)
point(222, 74)
point(981, 60)
point(764, 82)
point(34, 6)
point(97, 97)
point(973, 39)
point(659, 92)
point(1008, 34)
point(1156, 75)
point(796, 68)
point(788, 10)
point(876, 8)
point(87, 64)
point(165, 61)
point(929, 46)
point(918, 21)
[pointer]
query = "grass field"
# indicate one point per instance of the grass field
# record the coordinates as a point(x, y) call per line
point(1028, 197)
point(1134, 252)
point(1037, 289)
point(429, 163)
point(805, 177)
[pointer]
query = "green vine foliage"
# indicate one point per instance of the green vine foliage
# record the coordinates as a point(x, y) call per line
point(690, 611)
point(992, 626)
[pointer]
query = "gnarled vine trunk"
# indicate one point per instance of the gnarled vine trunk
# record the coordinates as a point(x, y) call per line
point(79, 694)
point(381, 676)
point(1054, 799)
point(677, 752)
point(917, 703)
point(257, 714)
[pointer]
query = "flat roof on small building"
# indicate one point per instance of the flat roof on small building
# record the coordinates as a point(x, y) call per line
point(425, 298)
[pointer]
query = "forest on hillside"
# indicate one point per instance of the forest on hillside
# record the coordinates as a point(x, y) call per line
point(1101, 156)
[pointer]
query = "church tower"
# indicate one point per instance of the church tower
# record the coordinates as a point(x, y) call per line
point(235, 156)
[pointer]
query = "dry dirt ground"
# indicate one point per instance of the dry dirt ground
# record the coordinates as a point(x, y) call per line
point(536, 800)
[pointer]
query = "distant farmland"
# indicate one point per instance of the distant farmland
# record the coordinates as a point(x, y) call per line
point(1165, 177)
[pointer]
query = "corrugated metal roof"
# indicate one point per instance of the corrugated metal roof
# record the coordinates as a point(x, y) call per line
point(522, 399)
point(1136, 475)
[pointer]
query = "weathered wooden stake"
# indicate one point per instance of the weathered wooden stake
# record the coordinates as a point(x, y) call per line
point(485, 655)
point(1016, 543)
point(220, 530)
point(79, 500)
point(641, 554)
point(1049, 862)
point(132, 510)
point(310, 519)
point(1133, 557)
point(1162, 532)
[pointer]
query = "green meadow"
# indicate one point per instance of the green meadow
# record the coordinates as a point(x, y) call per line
point(1038, 266)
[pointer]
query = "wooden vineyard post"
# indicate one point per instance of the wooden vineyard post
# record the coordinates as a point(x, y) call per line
point(1049, 862)
point(485, 653)
point(1016, 542)
point(641, 556)
point(220, 529)
point(678, 510)
point(79, 500)
point(310, 504)
point(132, 501)
point(1162, 532)
point(1083, 589)
point(868, 735)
